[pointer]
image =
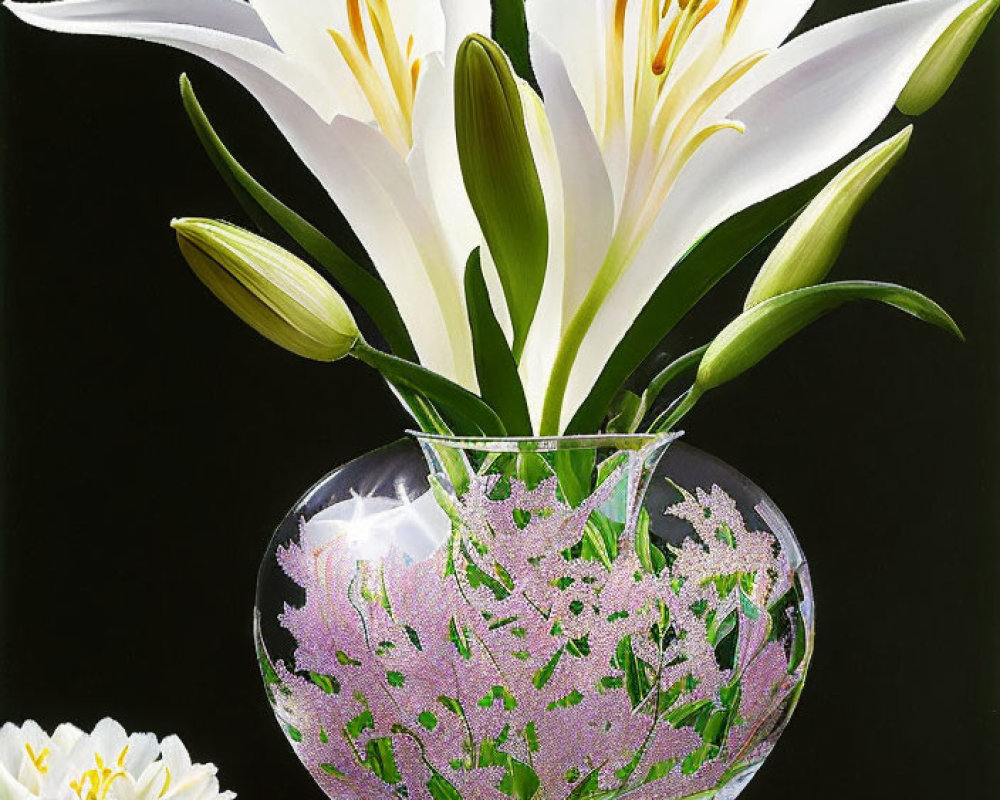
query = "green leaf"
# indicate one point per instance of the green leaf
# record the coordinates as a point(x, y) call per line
point(499, 382)
point(685, 285)
point(510, 31)
point(423, 411)
point(358, 282)
point(756, 333)
point(500, 177)
point(472, 415)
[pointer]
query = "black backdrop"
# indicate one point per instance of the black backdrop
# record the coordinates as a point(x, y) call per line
point(150, 441)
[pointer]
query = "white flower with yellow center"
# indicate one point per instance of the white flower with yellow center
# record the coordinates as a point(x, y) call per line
point(667, 117)
point(363, 91)
point(106, 764)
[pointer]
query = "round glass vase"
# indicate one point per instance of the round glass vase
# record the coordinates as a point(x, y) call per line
point(573, 618)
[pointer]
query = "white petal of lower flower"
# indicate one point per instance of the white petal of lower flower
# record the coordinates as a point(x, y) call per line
point(143, 750)
point(804, 108)
point(175, 755)
point(11, 789)
point(66, 736)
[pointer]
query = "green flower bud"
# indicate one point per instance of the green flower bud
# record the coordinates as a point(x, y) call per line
point(500, 176)
point(274, 292)
point(807, 252)
point(943, 62)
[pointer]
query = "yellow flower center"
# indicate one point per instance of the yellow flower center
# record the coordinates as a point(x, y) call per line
point(388, 83)
point(96, 783)
point(667, 103)
point(40, 760)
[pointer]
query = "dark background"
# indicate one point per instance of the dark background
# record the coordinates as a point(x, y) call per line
point(151, 441)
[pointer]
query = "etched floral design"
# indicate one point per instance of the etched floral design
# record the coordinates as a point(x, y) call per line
point(550, 652)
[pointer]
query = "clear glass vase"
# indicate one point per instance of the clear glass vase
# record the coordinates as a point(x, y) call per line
point(539, 619)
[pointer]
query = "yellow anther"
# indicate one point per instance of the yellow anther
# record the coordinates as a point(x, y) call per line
point(736, 12)
point(621, 6)
point(40, 759)
point(409, 47)
point(660, 60)
point(415, 74)
point(122, 756)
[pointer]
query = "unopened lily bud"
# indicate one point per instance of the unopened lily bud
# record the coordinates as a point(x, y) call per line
point(945, 59)
point(500, 175)
point(807, 252)
point(274, 292)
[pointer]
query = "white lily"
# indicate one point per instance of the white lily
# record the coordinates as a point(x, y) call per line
point(670, 116)
point(363, 91)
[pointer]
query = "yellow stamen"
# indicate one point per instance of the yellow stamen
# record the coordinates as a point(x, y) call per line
point(614, 107)
point(122, 756)
point(40, 759)
point(660, 61)
point(621, 6)
point(357, 27)
point(692, 14)
point(409, 47)
point(415, 74)
point(166, 783)
point(395, 64)
point(387, 114)
point(735, 16)
point(711, 94)
point(707, 9)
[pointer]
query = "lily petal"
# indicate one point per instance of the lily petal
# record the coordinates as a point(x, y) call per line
point(808, 105)
point(300, 28)
point(374, 189)
point(463, 17)
point(589, 203)
point(234, 40)
point(576, 31)
point(434, 164)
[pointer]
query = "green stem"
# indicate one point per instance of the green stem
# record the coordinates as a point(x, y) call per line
point(569, 349)
point(466, 407)
point(673, 415)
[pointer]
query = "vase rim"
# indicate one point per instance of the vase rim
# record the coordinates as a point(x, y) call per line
point(548, 444)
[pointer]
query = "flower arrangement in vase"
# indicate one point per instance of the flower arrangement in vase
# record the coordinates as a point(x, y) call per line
point(544, 189)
